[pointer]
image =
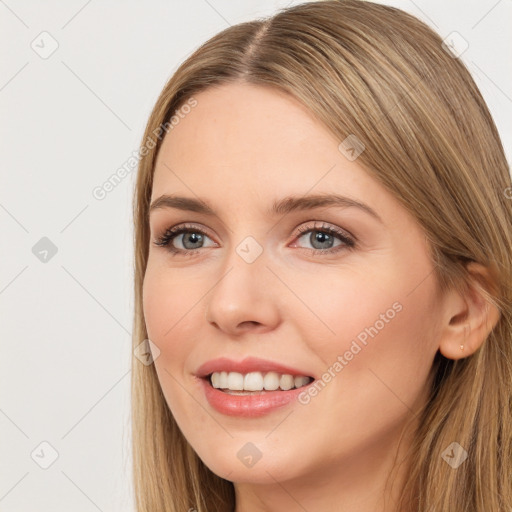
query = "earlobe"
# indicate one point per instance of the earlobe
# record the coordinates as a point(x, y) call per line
point(470, 317)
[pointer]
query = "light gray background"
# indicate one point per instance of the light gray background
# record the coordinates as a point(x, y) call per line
point(68, 122)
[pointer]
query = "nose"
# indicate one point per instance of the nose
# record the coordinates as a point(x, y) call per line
point(244, 298)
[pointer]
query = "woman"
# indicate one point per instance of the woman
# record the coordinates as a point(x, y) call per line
point(323, 268)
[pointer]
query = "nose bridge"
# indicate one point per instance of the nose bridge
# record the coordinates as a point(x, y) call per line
point(243, 270)
point(242, 293)
point(249, 250)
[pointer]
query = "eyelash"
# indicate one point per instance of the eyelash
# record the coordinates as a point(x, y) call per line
point(171, 233)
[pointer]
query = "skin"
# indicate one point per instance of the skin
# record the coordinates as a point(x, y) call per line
point(239, 149)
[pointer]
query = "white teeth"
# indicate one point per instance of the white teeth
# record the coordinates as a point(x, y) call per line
point(301, 381)
point(235, 381)
point(286, 382)
point(223, 381)
point(215, 380)
point(257, 381)
point(253, 381)
point(271, 381)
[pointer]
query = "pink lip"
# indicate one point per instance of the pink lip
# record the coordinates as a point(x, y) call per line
point(249, 364)
point(249, 405)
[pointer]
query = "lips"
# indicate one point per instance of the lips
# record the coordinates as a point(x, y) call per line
point(249, 364)
point(249, 406)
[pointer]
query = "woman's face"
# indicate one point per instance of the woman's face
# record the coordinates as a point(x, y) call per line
point(333, 292)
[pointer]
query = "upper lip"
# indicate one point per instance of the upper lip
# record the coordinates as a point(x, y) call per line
point(249, 364)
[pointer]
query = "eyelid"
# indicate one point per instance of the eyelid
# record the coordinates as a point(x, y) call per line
point(179, 229)
point(321, 225)
point(348, 241)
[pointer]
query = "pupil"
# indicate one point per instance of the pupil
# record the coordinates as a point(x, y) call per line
point(322, 238)
point(194, 238)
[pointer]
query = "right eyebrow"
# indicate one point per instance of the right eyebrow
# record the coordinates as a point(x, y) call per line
point(182, 203)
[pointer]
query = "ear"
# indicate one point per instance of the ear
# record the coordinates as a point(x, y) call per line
point(469, 317)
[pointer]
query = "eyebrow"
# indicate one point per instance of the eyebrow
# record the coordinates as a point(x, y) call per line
point(279, 207)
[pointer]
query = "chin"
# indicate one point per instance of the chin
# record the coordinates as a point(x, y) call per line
point(261, 472)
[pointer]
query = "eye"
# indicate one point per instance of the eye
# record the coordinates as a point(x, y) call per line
point(191, 238)
point(323, 238)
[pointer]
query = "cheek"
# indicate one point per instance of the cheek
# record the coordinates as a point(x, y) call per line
point(377, 359)
point(154, 305)
point(343, 306)
point(168, 313)
point(166, 304)
point(373, 325)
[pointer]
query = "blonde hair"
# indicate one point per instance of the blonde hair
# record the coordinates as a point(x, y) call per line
point(380, 74)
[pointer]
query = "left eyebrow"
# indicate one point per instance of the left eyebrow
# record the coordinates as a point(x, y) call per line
point(294, 203)
point(279, 207)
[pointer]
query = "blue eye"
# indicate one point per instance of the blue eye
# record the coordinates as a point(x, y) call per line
point(323, 239)
point(192, 238)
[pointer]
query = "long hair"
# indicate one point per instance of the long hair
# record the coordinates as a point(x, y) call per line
point(380, 74)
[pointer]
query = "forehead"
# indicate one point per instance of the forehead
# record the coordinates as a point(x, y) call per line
point(245, 122)
point(257, 135)
point(244, 146)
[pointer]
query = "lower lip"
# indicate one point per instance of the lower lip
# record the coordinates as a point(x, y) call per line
point(249, 406)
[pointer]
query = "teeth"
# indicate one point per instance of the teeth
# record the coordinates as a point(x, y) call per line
point(215, 378)
point(257, 381)
point(253, 381)
point(223, 381)
point(286, 382)
point(271, 381)
point(235, 381)
point(301, 381)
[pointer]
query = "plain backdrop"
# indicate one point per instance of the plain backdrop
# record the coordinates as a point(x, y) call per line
point(78, 81)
